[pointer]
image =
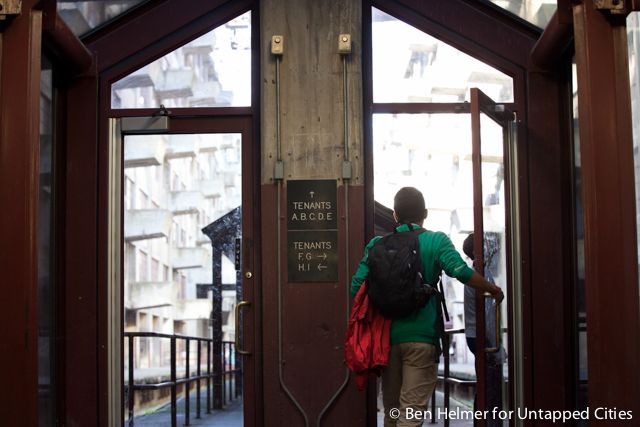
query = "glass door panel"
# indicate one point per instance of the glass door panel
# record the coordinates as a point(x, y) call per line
point(490, 125)
point(432, 152)
point(182, 203)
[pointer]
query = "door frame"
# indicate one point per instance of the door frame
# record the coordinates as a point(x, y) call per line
point(540, 163)
point(165, 26)
point(191, 123)
point(503, 117)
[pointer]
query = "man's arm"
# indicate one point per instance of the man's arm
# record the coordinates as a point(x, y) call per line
point(476, 281)
point(363, 269)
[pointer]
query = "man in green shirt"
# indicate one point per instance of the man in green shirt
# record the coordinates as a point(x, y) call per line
point(412, 369)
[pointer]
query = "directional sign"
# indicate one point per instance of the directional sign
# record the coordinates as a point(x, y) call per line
point(312, 232)
point(311, 205)
point(313, 256)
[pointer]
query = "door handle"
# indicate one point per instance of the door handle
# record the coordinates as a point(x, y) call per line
point(238, 307)
point(498, 329)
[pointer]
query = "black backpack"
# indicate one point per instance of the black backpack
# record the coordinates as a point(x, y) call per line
point(395, 285)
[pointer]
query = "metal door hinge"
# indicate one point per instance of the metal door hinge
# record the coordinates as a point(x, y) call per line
point(10, 8)
point(615, 7)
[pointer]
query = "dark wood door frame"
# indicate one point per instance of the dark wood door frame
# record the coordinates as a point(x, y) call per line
point(608, 187)
point(121, 47)
point(20, 47)
point(206, 121)
point(482, 104)
point(498, 39)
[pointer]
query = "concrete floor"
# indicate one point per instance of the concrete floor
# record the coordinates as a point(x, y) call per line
point(230, 416)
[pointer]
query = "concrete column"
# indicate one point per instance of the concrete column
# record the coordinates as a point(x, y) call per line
point(309, 381)
point(311, 91)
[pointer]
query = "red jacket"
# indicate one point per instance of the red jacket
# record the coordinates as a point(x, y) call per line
point(367, 344)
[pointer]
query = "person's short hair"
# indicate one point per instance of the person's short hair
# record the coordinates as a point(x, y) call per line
point(409, 205)
point(467, 246)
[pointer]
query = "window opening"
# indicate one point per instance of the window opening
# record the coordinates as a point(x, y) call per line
point(536, 12)
point(409, 65)
point(213, 70)
point(84, 16)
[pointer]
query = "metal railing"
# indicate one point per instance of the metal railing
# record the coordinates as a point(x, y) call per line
point(224, 368)
point(446, 378)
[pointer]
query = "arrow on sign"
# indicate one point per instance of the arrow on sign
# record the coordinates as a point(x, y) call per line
point(323, 256)
point(321, 267)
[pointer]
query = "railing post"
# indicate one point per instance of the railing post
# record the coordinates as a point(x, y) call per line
point(130, 388)
point(174, 419)
point(187, 386)
point(208, 376)
point(223, 373)
point(198, 381)
point(236, 373)
point(446, 378)
point(239, 372)
point(433, 406)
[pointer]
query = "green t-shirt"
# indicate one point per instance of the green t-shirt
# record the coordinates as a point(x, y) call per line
point(438, 254)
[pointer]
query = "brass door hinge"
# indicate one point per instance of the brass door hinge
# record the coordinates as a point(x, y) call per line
point(10, 8)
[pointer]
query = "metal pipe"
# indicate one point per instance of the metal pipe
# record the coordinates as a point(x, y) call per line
point(345, 179)
point(345, 98)
point(279, 274)
point(278, 141)
point(278, 178)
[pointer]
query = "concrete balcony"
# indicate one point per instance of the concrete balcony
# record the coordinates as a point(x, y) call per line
point(185, 202)
point(144, 150)
point(184, 258)
point(151, 295)
point(143, 224)
point(211, 188)
point(180, 146)
point(192, 309)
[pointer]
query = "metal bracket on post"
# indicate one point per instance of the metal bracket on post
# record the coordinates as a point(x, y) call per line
point(10, 8)
point(277, 50)
point(344, 49)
